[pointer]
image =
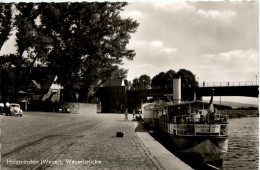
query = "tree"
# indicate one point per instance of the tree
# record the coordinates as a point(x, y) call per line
point(145, 81)
point(136, 84)
point(89, 42)
point(26, 40)
point(187, 78)
point(165, 80)
point(158, 80)
point(5, 22)
point(84, 43)
point(168, 78)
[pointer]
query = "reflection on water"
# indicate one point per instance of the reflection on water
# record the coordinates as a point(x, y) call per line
point(243, 144)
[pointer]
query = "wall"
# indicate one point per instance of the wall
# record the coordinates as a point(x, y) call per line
point(113, 99)
point(81, 108)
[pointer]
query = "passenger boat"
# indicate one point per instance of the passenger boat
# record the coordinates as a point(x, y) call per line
point(195, 127)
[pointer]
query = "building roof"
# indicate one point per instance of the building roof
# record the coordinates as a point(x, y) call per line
point(115, 82)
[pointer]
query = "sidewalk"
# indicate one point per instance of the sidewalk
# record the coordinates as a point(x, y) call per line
point(101, 149)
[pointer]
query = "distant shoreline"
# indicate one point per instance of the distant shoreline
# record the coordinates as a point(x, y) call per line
point(242, 113)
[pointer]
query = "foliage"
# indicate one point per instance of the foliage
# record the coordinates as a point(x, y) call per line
point(135, 84)
point(143, 82)
point(188, 79)
point(84, 43)
point(89, 43)
point(5, 22)
point(165, 80)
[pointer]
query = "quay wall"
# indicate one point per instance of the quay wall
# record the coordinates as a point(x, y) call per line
point(80, 108)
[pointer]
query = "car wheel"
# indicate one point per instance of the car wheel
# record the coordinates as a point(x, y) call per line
point(21, 115)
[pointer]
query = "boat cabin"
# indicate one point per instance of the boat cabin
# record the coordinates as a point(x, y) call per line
point(193, 119)
point(192, 112)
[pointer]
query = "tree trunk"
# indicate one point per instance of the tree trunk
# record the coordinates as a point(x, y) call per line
point(16, 84)
point(84, 94)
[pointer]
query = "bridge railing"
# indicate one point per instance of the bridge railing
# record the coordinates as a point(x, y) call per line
point(226, 84)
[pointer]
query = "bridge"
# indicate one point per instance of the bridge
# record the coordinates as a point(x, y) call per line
point(246, 88)
point(120, 97)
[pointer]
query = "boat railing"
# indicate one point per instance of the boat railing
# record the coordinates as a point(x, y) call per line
point(213, 119)
point(186, 128)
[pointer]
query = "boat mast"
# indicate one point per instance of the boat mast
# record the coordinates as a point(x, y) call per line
point(211, 107)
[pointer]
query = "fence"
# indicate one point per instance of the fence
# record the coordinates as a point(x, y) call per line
point(227, 84)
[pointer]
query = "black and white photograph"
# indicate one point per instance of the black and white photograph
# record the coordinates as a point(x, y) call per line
point(165, 85)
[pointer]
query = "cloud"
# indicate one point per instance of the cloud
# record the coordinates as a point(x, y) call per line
point(234, 56)
point(136, 14)
point(156, 43)
point(137, 43)
point(214, 14)
point(174, 6)
point(236, 62)
point(213, 40)
point(142, 65)
point(169, 50)
point(160, 48)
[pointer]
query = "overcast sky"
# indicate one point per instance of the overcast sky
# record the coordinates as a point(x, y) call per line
point(217, 41)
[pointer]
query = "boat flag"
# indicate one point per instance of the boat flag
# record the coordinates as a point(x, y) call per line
point(211, 107)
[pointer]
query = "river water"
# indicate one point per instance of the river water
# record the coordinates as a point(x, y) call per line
point(243, 149)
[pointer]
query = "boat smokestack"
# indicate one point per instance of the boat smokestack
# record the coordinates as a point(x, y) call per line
point(176, 90)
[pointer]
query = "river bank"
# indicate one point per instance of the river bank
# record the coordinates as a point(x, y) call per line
point(242, 113)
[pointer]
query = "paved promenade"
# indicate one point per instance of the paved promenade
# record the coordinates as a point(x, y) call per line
point(136, 150)
point(81, 142)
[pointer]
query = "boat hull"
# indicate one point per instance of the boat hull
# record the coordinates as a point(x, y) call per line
point(210, 148)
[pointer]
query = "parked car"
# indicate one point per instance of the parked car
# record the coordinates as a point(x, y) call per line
point(64, 110)
point(16, 109)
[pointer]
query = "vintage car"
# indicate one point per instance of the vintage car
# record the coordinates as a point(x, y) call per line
point(16, 109)
point(64, 110)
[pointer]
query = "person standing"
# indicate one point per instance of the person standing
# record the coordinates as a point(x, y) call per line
point(133, 114)
point(2, 108)
point(7, 108)
point(126, 114)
